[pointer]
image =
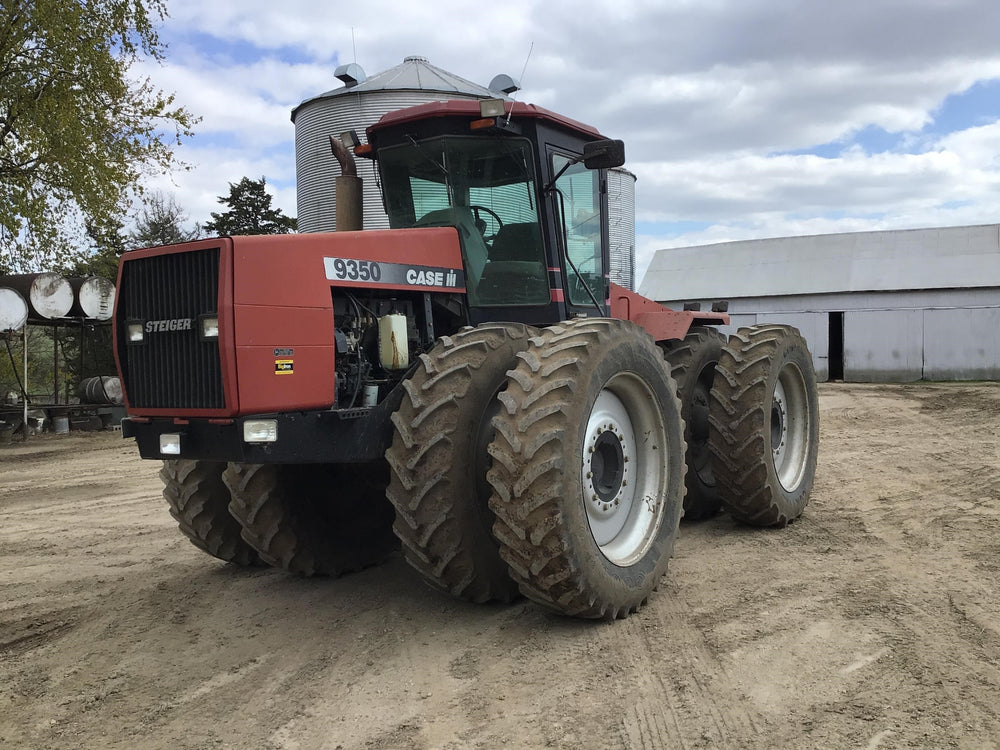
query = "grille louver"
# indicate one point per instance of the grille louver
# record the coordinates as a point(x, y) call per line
point(171, 369)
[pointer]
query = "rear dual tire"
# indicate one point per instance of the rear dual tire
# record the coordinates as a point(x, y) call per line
point(764, 421)
point(692, 364)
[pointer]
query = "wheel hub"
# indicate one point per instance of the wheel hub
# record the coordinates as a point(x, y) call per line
point(790, 427)
point(608, 462)
point(779, 426)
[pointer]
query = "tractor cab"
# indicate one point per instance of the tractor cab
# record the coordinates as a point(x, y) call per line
point(525, 189)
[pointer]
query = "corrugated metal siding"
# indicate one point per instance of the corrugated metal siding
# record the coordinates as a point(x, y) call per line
point(621, 226)
point(815, 328)
point(883, 346)
point(939, 334)
point(962, 344)
point(315, 167)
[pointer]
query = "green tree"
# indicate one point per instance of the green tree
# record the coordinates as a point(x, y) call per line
point(76, 130)
point(249, 212)
point(161, 222)
point(105, 244)
point(40, 356)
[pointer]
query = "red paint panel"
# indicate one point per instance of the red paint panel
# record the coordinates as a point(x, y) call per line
point(308, 385)
point(660, 322)
point(273, 293)
point(308, 333)
point(665, 325)
point(227, 329)
point(258, 325)
point(288, 270)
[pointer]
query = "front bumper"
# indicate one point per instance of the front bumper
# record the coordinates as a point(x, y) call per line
point(328, 436)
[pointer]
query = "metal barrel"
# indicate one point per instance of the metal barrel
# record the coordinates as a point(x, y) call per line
point(100, 389)
point(48, 294)
point(94, 297)
point(13, 309)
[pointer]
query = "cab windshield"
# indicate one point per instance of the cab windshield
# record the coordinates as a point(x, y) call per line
point(485, 188)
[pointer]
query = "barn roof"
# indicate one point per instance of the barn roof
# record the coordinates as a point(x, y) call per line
point(892, 260)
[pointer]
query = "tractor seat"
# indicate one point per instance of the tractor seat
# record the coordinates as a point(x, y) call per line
point(469, 236)
point(521, 242)
point(516, 271)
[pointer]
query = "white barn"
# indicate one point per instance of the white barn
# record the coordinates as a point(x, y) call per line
point(891, 306)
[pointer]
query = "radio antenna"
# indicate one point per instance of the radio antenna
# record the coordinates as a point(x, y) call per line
point(520, 82)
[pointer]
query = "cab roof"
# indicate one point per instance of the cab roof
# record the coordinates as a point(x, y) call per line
point(470, 108)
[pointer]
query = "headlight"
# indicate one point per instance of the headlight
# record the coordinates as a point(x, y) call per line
point(170, 444)
point(209, 327)
point(260, 431)
point(134, 332)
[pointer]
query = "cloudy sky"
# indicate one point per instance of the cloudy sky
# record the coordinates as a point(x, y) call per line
point(741, 118)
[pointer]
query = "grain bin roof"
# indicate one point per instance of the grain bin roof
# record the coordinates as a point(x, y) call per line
point(892, 260)
point(415, 73)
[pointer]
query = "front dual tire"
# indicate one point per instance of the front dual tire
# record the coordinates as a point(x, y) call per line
point(588, 468)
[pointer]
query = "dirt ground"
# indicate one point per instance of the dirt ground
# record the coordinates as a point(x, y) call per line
point(872, 622)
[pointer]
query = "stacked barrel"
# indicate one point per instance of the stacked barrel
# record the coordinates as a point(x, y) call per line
point(42, 297)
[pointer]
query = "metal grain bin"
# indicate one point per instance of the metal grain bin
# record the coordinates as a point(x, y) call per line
point(621, 226)
point(355, 106)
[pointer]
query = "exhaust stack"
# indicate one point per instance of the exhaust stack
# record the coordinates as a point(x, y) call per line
point(349, 204)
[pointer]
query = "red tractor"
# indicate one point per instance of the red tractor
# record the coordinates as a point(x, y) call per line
point(530, 423)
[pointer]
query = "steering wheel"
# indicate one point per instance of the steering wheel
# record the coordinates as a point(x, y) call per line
point(481, 223)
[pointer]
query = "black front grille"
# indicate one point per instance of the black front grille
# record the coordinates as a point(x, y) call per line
point(170, 369)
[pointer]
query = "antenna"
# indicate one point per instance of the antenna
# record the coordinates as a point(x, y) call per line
point(521, 81)
point(354, 47)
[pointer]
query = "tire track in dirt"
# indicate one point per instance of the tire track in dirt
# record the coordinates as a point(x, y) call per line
point(703, 707)
point(935, 504)
point(873, 621)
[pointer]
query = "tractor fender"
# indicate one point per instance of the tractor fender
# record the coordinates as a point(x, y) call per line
point(660, 322)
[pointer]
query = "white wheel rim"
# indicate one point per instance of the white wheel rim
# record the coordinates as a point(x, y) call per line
point(790, 427)
point(624, 478)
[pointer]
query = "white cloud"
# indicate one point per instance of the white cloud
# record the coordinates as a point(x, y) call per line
point(709, 97)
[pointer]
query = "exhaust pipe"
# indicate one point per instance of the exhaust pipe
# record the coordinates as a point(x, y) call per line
point(349, 204)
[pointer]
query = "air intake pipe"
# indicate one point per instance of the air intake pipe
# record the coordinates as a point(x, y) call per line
point(349, 205)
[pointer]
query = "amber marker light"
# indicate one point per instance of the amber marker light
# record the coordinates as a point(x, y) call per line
point(486, 122)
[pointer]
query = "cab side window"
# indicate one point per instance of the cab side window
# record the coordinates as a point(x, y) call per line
point(580, 208)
